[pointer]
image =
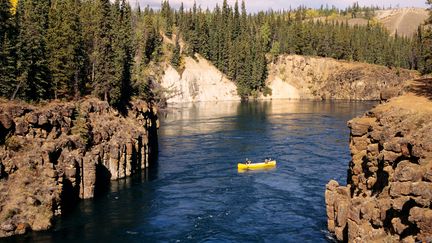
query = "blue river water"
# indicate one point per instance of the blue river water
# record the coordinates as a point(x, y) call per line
point(195, 194)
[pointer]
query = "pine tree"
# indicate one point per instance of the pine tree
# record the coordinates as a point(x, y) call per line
point(103, 52)
point(122, 47)
point(236, 22)
point(167, 15)
point(87, 12)
point(266, 36)
point(175, 60)
point(203, 36)
point(426, 55)
point(8, 32)
point(65, 53)
point(33, 73)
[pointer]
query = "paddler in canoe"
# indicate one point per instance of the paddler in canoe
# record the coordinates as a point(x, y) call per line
point(248, 165)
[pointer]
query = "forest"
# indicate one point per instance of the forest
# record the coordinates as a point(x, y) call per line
point(66, 49)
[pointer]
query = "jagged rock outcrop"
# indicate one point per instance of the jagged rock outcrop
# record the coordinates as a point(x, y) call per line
point(52, 156)
point(388, 197)
point(303, 77)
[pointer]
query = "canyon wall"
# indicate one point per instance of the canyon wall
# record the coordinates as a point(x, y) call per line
point(51, 156)
point(388, 197)
point(199, 81)
point(293, 76)
point(290, 77)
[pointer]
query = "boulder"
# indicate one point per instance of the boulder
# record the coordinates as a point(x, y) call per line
point(360, 126)
point(6, 121)
point(389, 93)
point(21, 128)
point(407, 171)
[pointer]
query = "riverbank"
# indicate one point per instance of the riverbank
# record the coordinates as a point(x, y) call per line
point(53, 155)
point(389, 188)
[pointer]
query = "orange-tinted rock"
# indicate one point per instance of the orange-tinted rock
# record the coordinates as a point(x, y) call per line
point(360, 126)
point(60, 146)
point(390, 176)
point(407, 171)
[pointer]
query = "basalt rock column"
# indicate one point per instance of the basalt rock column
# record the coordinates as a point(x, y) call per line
point(52, 156)
point(388, 197)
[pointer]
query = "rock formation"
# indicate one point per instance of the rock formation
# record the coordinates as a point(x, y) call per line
point(199, 81)
point(326, 78)
point(290, 77)
point(52, 156)
point(389, 193)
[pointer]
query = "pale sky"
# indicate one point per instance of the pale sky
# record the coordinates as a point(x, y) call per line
point(254, 5)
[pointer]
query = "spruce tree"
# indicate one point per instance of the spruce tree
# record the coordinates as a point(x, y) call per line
point(8, 32)
point(122, 47)
point(65, 49)
point(88, 10)
point(176, 57)
point(167, 15)
point(33, 72)
point(426, 55)
point(104, 70)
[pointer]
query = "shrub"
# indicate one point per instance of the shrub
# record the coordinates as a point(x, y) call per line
point(13, 143)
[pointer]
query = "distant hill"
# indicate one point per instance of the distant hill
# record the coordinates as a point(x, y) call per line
point(405, 20)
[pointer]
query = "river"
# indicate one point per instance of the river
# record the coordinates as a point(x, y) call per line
point(195, 194)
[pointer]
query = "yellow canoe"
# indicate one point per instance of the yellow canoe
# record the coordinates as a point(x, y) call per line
point(257, 166)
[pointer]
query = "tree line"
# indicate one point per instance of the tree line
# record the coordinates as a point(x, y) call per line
point(65, 49)
point(241, 44)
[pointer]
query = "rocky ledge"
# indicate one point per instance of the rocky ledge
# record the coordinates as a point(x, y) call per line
point(306, 77)
point(388, 197)
point(52, 156)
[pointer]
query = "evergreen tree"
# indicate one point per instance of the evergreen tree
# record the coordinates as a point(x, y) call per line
point(33, 73)
point(104, 66)
point(64, 45)
point(175, 60)
point(65, 48)
point(167, 15)
point(426, 45)
point(123, 52)
point(8, 32)
point(88, 10)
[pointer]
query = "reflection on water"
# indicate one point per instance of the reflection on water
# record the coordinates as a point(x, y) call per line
point(197, 195)
point(208, 117)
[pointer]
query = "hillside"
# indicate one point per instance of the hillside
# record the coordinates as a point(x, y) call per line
point(405, 20)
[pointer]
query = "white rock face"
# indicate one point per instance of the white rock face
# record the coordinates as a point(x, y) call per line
point(200, 81)
point(282, 90)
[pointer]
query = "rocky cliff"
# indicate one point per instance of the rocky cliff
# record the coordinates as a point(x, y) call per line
point(294, 77)
point(290, 77)
point(52, 156)
point(388, 197)
point(199, 81)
